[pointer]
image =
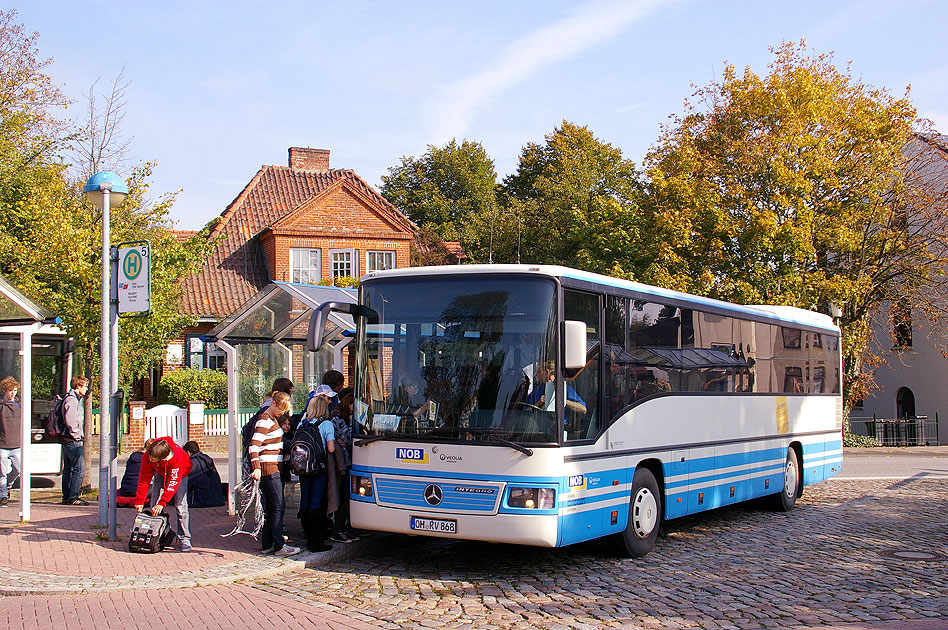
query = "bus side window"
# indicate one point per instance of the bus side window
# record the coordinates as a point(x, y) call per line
point(582, 386)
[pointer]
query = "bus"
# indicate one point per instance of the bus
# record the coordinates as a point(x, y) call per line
point(541, 405)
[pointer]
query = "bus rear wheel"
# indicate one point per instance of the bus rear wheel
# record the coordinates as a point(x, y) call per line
point(787, 497)
point(645, 516)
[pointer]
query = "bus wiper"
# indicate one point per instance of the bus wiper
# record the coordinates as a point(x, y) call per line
point(375, 438)
point(496, 438)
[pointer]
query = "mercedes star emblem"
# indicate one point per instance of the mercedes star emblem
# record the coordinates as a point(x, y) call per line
point(433, 495)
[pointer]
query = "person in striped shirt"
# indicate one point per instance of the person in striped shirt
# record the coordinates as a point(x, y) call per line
point(266, 460)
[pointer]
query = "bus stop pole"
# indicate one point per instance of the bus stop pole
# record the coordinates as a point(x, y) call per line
point(113, 385)
point(118, 402)
point(26, 409)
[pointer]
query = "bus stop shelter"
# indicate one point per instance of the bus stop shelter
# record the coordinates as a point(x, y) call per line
point(20, 321)
point(266, 339)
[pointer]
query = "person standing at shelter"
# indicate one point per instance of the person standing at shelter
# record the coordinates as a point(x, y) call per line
point(11, 435)
point(169, 465)
point(73, 466)
point(266, 460)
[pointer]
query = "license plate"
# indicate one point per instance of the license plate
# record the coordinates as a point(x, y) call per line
point(440, 525)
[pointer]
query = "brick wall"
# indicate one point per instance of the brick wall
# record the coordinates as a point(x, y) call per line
point(307, 159)
point(339, 220)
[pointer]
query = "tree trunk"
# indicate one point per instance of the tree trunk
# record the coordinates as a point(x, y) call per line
point(87, 425)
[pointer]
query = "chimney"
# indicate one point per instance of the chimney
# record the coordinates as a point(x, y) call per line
point(306, 159)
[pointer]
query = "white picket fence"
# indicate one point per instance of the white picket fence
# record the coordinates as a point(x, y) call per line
point(215, 420)
point(166, 420)
point(172, 420)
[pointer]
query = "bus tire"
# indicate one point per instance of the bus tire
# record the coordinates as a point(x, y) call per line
point(784, 500)
point(645, 516)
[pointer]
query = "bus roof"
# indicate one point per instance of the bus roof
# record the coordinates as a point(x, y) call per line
point(786, 314)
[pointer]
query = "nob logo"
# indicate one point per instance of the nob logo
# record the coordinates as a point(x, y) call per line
point(411, 455)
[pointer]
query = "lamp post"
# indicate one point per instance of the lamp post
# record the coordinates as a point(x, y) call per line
point(106, 189)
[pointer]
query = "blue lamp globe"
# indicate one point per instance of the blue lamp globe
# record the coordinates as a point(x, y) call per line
point(105, 181)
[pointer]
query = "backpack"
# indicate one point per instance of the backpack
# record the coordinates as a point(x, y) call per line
point(246, 434)
point(55, 429)
point(307, 453)
point(150, 534)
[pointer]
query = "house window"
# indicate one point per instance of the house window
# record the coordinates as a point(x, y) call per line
point(379, 261)
point(203, 355)
point(155, 377)
point(304, 265)
point(902, 324)
point(344, 263)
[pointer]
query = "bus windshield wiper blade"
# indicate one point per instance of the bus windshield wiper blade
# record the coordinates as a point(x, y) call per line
point(368, 439)
point(496, 438)
point(519, 447)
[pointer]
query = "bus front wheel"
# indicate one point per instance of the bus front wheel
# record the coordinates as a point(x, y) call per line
point(645, 516)
point(787, 497)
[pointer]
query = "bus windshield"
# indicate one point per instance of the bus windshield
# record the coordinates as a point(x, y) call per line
point(456, 359)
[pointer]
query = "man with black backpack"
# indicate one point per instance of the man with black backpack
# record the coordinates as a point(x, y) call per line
point(73, 466)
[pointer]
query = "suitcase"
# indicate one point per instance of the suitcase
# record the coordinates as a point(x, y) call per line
point(150, 534)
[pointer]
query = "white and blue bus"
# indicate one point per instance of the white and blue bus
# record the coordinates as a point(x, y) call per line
point(546, 406)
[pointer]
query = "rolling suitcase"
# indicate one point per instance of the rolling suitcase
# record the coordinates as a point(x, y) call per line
point(150, 534)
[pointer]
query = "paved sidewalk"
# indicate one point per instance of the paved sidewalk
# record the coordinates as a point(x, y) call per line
point(62, 551)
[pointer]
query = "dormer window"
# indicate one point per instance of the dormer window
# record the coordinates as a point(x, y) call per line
point(305, 265)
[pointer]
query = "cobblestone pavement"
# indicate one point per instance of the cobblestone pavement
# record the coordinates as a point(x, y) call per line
point(869, 553)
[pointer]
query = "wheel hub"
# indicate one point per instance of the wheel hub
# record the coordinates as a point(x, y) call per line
point(790, 480)
point(644, 513)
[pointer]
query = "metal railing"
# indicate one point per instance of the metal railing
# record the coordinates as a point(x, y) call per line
point(917, 431)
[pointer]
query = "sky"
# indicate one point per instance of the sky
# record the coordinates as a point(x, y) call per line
point(220, 88)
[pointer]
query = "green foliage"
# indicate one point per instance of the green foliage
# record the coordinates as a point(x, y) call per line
point(182, 386)
point(345, 282)
point(50, 238)
point(860, 441)
point(450, 190)
point(573, 201)
point(792, 188)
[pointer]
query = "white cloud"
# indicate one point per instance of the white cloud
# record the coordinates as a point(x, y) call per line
point(456, 107)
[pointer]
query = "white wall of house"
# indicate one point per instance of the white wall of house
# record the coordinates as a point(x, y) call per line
point(922, 368)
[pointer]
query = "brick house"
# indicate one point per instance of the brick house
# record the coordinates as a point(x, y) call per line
point(304, 222)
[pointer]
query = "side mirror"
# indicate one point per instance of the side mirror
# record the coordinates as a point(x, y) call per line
point(574, 345)
point(317, 323)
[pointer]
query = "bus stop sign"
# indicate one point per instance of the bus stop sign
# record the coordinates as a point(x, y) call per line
point(134, 279)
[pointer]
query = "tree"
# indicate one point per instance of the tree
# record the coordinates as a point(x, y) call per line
point(804, 187)
point(50, 239)
point(450, 190)
point(573, 201)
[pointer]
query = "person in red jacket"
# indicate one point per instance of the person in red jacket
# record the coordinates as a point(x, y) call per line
point(170, 465)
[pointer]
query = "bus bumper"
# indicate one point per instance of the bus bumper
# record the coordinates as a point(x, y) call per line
point(525, 529)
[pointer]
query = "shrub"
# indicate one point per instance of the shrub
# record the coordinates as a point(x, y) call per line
point(345, 282)
point(187, 384)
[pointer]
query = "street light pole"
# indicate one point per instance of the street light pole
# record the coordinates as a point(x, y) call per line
point(103, 189)
point(105, 360)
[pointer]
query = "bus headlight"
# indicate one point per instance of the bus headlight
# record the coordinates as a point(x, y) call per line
point(533, 498)
point(361, 486)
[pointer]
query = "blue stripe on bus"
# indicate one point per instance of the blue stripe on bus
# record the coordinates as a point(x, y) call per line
point(593, 522)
